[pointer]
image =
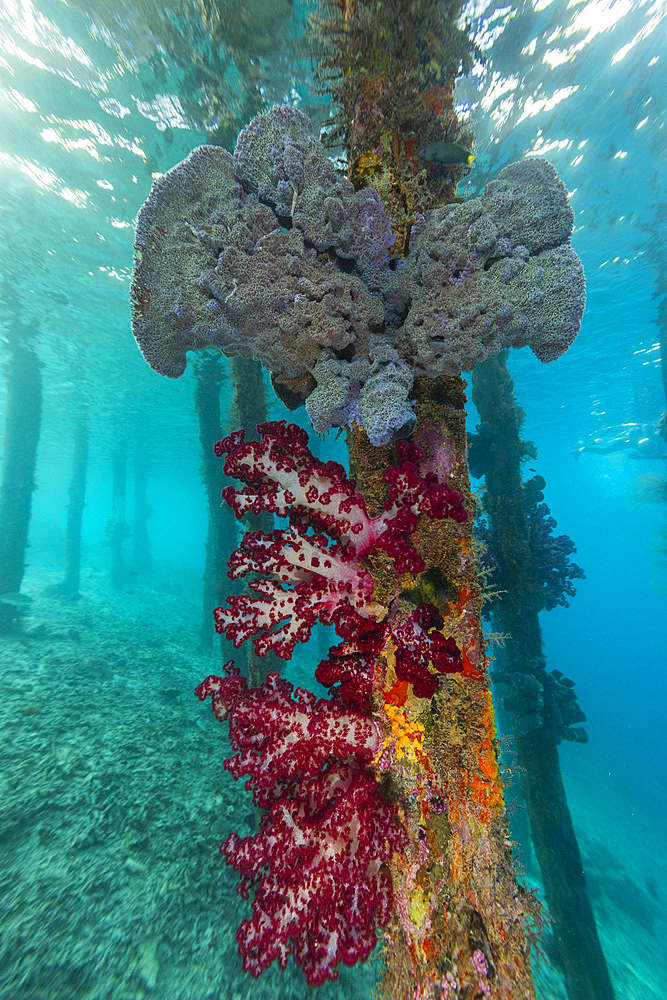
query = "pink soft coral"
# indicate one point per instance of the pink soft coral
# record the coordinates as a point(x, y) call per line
point(318, 858)
point(281, 735)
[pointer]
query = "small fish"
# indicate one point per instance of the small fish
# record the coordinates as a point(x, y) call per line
point(447, 153)
point(17, 600)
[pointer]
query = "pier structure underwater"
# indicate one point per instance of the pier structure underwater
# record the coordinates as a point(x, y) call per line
point(21, 430)
point(365, 296)
point(532, 572)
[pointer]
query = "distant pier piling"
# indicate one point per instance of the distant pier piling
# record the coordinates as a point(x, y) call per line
point(117, 528)
point(578, 948)
point(23, 416)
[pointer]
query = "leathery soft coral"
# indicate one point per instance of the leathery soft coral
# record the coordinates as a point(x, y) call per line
point(318, 858)
point(309, 578)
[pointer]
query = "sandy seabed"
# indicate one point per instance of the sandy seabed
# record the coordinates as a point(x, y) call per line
point(113, 803)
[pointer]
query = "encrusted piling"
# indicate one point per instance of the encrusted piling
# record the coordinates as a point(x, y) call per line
point(460, 922)
point(578, 950)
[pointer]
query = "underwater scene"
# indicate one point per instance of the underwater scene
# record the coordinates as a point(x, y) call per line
point(333, 499)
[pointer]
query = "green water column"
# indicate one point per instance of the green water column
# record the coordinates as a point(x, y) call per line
point(141, 512)
point(23, 414)
point(221, 534)
point(117, 526)
point(77, 497)
point(580, 955)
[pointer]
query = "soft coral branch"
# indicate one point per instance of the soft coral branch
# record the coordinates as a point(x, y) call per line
point(313, 578)
point(283, 736)
point(283, 476)
point(312, 581)
point(317, 859)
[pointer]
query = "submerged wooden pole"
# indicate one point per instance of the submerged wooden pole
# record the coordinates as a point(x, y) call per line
point(117, 526)
point(579, 952)
point(77, 498)
point(140, 512)
point(459, 923)
point(23, 414)
point(460, 917)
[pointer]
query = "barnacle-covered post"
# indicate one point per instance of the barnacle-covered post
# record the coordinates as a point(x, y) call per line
point(543, 704)
point(391, 70)
point(271, 254)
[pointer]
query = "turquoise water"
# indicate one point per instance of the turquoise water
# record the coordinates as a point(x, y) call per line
point(113, 797)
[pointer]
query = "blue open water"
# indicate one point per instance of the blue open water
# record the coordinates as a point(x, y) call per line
point(113, 797)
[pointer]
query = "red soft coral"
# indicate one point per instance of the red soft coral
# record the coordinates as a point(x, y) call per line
point(312, 578)
point(312, 581)
point(420, 644)
point(281, 735)
point(317, 859)
point(350, 664)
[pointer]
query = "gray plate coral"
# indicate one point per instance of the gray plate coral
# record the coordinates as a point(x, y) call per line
point(270, 254)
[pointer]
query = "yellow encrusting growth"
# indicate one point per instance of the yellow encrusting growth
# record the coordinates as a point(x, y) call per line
point(406, 734)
